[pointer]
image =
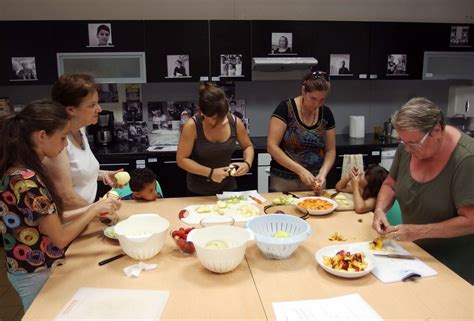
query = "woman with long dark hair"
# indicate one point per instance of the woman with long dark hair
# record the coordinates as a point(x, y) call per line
point(33, 235)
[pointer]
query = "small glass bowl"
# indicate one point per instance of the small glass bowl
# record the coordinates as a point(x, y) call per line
point(186, 248)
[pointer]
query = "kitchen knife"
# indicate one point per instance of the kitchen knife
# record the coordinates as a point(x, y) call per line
point(288, 193)
point(113, 258)
point(397, 256)
point(333, 195)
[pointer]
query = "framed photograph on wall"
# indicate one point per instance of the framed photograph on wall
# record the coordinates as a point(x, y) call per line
point(100, 35)
point(282, 43)
point(178, 66)
point(397, 65)
point(158, 114)
point(340, 65)
point(231, 65)
point(459, 36)
point(23, 69)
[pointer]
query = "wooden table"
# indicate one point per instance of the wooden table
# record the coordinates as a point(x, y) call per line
point(247, 293)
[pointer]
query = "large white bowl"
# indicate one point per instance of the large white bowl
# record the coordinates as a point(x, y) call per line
point(264, 227)
point(332, 251)
point(220, 260)
point(317, 212)
point(141, 236)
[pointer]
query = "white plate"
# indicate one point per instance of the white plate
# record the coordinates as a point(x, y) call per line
point(110, 233)
point(332, 251)
point(316, 212)
point(189, 214)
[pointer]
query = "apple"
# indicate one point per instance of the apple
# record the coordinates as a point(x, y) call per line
point(122, 178)
point(281, 234)
point(112, 194)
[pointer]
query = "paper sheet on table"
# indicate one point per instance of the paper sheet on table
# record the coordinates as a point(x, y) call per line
point(348, 307)
point(389, 270)
point(101, 304)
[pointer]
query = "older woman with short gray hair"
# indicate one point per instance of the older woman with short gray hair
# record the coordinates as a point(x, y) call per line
point(432, 179)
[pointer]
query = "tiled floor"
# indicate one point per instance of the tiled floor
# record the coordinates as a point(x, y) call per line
point(10, 304)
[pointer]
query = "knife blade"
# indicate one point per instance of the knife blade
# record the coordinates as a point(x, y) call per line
point(397, 256)
point(288, 193)
point(333, 195)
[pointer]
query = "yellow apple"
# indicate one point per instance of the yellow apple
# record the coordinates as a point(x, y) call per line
point(281, 234)
point(122, 178)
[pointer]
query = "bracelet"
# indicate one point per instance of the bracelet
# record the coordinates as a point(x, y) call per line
point(209, 178)
point(248, 164)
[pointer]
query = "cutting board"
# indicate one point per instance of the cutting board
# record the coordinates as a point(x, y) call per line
point(345, 204)
point(100, 304)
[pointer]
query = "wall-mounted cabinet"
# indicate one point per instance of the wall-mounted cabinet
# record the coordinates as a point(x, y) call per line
point(177, 50)
point(342, 48)
point(231, 54)
point(282, 38)
point(27, 55)
point(448, 37)
point(83, 36)
point(396, 50)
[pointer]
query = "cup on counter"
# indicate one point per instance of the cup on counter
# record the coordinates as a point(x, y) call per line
point(377, 132)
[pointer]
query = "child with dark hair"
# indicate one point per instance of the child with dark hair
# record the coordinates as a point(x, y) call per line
point(142, 186)
point(367, 186)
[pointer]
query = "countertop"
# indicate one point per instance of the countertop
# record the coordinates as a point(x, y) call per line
point(260, 144)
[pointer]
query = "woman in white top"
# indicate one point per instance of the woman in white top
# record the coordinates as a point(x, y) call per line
point(75, 171)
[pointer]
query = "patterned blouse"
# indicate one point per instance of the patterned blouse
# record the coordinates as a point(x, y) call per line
point(304, 144)
point(23, 200)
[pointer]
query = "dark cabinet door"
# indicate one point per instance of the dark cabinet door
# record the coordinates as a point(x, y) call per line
point(396, 50)
point(231, 49)
point(74, 36)
point(267, 34)
point(342, 48)
point(27, 55)
point(175, 48)
point(448, 37)
point(172, 178)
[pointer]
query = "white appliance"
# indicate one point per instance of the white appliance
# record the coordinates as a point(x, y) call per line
point(461, 101)
point(387, 157)
point(263, 172)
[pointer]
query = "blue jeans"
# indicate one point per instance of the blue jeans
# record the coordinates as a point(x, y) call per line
point(28, 285)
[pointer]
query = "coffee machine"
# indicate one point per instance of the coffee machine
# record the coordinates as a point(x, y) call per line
point(105, 128)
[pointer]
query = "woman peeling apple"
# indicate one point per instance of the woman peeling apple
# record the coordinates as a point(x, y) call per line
point(207, 143)
point(75, 171)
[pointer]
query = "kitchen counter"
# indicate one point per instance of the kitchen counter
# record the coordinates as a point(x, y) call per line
point(260, 144)
point(247, 293)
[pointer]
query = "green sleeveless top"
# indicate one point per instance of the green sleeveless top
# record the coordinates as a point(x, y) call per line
point(438, 200)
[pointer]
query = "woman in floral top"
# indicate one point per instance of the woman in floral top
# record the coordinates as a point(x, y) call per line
point(31, 214)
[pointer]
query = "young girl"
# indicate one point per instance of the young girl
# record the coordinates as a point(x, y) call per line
point(368, 185)
point(33, 235)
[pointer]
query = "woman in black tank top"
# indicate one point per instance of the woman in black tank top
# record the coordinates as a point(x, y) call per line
point(207, 143)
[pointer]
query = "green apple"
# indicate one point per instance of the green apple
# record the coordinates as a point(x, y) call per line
point(112, 194)
point(281, 234)
point(122, 178)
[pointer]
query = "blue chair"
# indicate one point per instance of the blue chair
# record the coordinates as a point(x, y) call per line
point(394, 215)
point(125, 191)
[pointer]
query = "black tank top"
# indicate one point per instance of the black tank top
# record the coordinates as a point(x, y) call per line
point(212, 155)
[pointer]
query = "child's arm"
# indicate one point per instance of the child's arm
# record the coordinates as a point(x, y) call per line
point(342, 186)
point(361, 206)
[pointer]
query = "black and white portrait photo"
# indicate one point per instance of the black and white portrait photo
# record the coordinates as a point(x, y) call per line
point(459, 36)
point(132, 111)
point(231, 65)
point(121, 132)
point(237, 107)
point(282, 43)
point(157, 114)
point(397, 64)
point(100, 35)
point(340, 65)
point(23, 69)
point(137, 132)
point(108, 93)
point(178, 66)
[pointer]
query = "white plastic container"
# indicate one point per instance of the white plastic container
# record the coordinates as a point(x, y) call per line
point(142, 236)
point(265, 227)
point(221, 260)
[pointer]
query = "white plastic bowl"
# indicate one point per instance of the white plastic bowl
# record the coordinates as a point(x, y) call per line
point(316, 212)
point(332, 251)
point(220, 260)
point(264, 228)
point(141, 236)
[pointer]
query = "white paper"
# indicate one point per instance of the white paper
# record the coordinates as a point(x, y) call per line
point(344, 308)
point(389, 270)
point(134, 271)
point(101, 304)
